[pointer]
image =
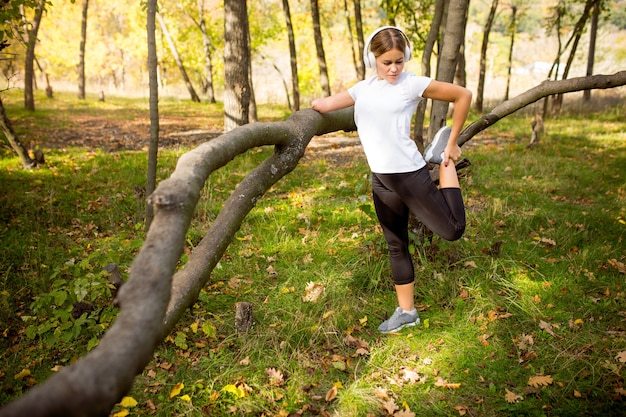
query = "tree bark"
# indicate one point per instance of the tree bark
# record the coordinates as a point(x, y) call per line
point(358, 23)
point(208, 47)
point(448, 59)
point(512, 31)
point(236, 64)
point(179, 62)
point(593, 32)
point(319, 46)
point(293, 58)
point(153, 80)
point(429, 47)
point(29, 68)
point(81, 53)
point(18, 147)
point(545, 89)
point(480, 90)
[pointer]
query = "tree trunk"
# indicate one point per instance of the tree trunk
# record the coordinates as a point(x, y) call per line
point(156, 296)
point(18, 147)
point(319, 46)
point(355, 54)
point(358, 23)
point(593, 32)
point(429, 46)
point(512, 30)
point(236, 64)
point(153, 80)
point(480, 90)
point(29, 69)
point(576, 35)
point(179, 62)
point(457, 11)
point(81, 53)
point(293, 59)
point(208, 47)
point(252, 114)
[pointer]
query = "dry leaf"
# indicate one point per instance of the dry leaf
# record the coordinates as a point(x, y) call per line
point(577, 394)
point(390, 406)
point(512, 397)
point(331, 394)
point(621, 356)
point(276, 377)
point(540, 381)
point(620, 266)
point(461, 409)
point(547, 327)
point(445, 384)
point(381, 393)
point(404, 413)
point(313, 292)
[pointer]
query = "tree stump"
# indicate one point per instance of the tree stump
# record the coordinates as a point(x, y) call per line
point(243, 317)
point(537, 126)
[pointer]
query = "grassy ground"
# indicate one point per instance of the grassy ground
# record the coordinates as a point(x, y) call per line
point(523, 316)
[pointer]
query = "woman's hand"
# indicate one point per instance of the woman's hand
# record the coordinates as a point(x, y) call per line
point(451, 152)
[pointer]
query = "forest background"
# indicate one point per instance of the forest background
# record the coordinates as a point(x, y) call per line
point(116, 52)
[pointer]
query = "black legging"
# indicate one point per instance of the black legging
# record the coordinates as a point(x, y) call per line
point(441, 210)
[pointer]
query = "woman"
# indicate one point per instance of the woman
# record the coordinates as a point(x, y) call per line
point(383, 108)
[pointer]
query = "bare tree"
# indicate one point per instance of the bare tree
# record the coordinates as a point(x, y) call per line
point(81, 53)
point(153, 149)
point(29, 69)
point(177, 59)
point(7, 128)
point(358, 23)
point(319, 46)
point(293, 59)
point(446, 69)
point(593, 32)
point(236, 64)
point(207, 45)
point(512, 31)
point(480, 90)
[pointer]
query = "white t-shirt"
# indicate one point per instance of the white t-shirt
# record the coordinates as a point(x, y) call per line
point(383, 113)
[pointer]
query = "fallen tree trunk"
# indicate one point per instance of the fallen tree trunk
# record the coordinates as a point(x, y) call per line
point(154, 299)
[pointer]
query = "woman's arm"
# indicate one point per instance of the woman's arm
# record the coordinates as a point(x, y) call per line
point(334, 102)
point(462, 99)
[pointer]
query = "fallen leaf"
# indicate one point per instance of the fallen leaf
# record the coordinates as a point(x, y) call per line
point(276, 377)
point(621, 356)
point(313, 292)
point(547, 327)
point(245, 361)
point(176, 389)
point(331, 394)
point(577, 394)
point(128, 402)
point(461, 409)
point(121, 413)
point(620, 266)
point(440, 382)
point(390, 406)
point(404, 413)
point(540, 381)
point(512, 397)
point(22, 374)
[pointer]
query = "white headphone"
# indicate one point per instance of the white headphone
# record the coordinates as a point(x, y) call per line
point(368, 57)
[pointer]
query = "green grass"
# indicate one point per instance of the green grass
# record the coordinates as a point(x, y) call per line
point(531, 289)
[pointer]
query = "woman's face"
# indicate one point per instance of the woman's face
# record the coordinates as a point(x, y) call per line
point(389, 65)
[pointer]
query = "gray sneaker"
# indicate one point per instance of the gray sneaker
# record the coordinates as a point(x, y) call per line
point(399, 320)
point(435, 149)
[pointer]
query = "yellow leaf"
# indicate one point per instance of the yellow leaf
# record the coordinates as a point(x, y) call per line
point(186, 398)
point(363, 321)
point(578, 321)
point(236, 391)
point(194, 327)
point(177, 389)
point(129, 402)
point(121, 413)
point(22, 374)
point(540, 381)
